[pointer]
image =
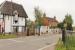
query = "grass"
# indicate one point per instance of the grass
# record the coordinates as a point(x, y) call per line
point(69, 43)
point(60, 46)
point(7, 36)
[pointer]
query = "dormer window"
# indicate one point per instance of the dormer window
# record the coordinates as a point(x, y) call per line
point(15, 16)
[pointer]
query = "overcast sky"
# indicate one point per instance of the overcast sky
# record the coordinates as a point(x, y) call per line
point(58, 8)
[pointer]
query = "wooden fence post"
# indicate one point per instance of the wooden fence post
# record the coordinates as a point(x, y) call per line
point(63, 35)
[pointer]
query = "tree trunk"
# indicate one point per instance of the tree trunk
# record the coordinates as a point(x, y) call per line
point(39, 31)
point(27, 31)
point(63, 35)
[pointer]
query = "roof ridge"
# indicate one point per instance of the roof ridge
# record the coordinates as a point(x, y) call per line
point(13, 3)
point(8, 11)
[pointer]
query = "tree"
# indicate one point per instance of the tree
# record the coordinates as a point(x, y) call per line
point(68, 20)
point(30, 27)
point(38, 15)
point(60, 25)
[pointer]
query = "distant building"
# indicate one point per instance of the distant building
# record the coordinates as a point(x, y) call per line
point(51, 22)
point(12, 17)
point(48, 24)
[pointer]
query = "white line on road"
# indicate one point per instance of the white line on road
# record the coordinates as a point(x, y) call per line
point(47, 46)
point(15, 40)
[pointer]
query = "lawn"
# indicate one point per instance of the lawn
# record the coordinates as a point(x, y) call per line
point(69, 43)
point(6, 36)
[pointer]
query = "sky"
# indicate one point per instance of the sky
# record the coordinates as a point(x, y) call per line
point(58, 8)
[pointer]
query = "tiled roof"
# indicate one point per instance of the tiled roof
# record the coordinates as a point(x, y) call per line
point(8, 8)
point(51, 19)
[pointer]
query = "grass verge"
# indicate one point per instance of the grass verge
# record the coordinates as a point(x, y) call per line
point(7, 36)
point(69, 43)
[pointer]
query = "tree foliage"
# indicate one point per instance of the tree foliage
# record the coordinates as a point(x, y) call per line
point(68, 20)
point(29, 23)
point(38, 15)
point(60, 25)
point(38, 21)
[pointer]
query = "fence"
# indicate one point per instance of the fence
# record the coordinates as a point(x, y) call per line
point(70, 40)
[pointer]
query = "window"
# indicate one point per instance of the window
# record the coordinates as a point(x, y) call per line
point(15, 17)
point(16, 21)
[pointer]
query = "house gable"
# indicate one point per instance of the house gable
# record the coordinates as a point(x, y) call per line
point(8, 8)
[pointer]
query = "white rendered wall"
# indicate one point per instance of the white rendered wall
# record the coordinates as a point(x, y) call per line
point(8, 26)
point(20, 29)
point(44, 29)
point(21, 22)
point(1, 16)
point(9, 23)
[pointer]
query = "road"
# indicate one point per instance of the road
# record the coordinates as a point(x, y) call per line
point(28, 43)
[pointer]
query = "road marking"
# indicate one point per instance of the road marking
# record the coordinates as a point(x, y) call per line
point(47, 46)
point(15, 40)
